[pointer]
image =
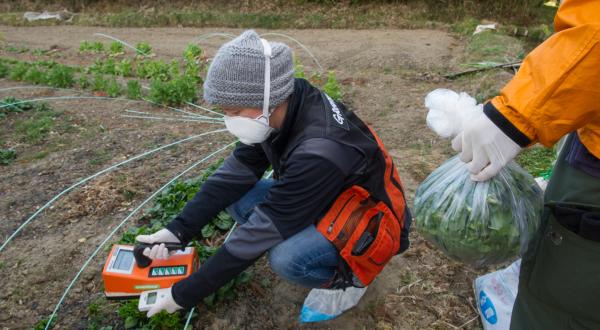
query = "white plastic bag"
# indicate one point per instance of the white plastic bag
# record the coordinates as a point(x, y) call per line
point(479, 223)
point(495, 294)
point(57, 15)
point(326, 304)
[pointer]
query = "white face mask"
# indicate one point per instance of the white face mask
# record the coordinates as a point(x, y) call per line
point(248, 130)
point(257, 130)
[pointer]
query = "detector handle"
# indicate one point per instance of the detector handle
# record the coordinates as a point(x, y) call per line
point(142, 261)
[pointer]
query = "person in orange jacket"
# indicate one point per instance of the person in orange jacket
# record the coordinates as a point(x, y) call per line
point(555, 93)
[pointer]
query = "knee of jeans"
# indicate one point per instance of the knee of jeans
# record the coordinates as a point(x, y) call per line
point(285, 266)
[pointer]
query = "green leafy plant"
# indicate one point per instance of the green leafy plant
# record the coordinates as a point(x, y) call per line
point(130, 314)
point(95, 67)
point(316, 78)
point(35, 76)
point(7, 156)
point(193, 72)
point(61, 76)
point(192, 52)
point(298, 69)
point(164, 320)
point(192, 66)
point(89, 46)
point(174, 68)
point(19, 71)
point(129, 236)
point(134, 319)
point(4, 69)
point(113, 89)
point(44, 63)
point(99, 84)
point(109, 67)
point(36, 128)
point(141, 69)
point(134, 89)
point(15, 49)
point(83, 82)
point(143, 48)
point(227, 291)
point(478, 224)
point(98, 311)
point(42, 324)
point(124, 68)
point(39, 52)
point(332, 87)
point(172, 200)
point(168, 204)
point(11, 104)
point(156, 70)
point(84, 46)
point(116, 48)
point(173, 92)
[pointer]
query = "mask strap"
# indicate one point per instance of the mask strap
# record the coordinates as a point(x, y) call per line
point(267, 91)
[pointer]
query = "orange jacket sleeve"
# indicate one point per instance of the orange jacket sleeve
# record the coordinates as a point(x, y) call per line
point(557, 89)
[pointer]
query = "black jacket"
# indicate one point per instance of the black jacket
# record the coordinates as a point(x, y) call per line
point(320, 150)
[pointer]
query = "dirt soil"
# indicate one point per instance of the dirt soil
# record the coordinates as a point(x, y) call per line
point(385, 73)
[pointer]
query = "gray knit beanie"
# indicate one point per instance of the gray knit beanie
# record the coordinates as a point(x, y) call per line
point(236, 76)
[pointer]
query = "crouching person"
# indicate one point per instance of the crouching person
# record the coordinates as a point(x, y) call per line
point(333, 215)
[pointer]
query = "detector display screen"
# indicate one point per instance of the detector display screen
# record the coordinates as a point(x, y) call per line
point(124, 260)
point(151, 298)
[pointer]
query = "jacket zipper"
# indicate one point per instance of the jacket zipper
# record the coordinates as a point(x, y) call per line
point(330, 228)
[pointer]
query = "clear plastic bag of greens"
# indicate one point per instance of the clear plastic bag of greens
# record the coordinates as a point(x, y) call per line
point(478, 223)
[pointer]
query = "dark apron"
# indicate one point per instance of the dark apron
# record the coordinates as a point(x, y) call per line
point(559, 285)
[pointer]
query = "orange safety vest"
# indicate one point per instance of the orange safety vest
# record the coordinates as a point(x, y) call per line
point(365, 231)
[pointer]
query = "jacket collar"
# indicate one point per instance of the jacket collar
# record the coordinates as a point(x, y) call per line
point(279, 140)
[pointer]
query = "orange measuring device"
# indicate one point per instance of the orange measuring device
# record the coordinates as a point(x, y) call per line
point(127, 272)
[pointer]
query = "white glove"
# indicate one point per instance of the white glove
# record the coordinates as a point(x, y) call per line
point(485, 148)
point(449, 111)
point(158, 251)
point(164, 301)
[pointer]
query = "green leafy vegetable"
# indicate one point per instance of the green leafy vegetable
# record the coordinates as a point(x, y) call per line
point(143, 48)
point(481, 223)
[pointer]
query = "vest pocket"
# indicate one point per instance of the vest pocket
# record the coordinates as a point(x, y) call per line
point(566, 272)
point(365, 232)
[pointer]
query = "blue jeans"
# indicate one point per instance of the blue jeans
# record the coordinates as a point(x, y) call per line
point(307, 258)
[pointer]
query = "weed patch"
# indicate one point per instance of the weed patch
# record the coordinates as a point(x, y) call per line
point(537, 160)
point(7, 156)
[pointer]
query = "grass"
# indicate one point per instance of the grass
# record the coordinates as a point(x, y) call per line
point(41, 154)
point(487, 49)
point(100, 157)
point(537, 160)
point(40, 122)
point(293, 14)
point(35, 129)
point(492, 46)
